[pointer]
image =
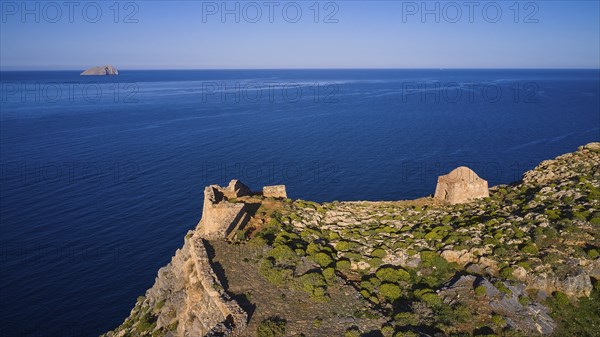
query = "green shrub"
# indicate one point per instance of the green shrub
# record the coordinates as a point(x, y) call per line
point(387, 330)
point(480, 290)
point(375, 262)
point(433, 236)
point(376, 282)
point(309, 281)
point(319, 294)
point(579, 320)
point(431, 299)
point(561, 298)
point(390, 291)
point(507, 272)
point(329, 274)
point(352, 332)
point(593, 253)
point(529, 249)
point(500, 251)
point(271, 327)
point(525, 265)
point(502, 288)
point(343, 246)
point(367, 285)
point(391, 275)
point(342, 265)
point(407, 318)
point(312, 248)
point(524, 300)
point(283, 255)
point(553, 214)
point(378, 252)
point(143, 326)
point(498, 320)
point(273, 274)
point(323, 259)
point(432, 259)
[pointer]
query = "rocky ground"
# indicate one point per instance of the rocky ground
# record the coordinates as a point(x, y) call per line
point(523, 262)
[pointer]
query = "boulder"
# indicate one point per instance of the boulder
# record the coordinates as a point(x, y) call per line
point(461, 257)
point(460, 186)
point(276, 191)
point(591, 146)
point(520, 274)
point(107, 70)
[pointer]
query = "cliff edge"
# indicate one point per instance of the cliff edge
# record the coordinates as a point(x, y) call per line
point(520, 259)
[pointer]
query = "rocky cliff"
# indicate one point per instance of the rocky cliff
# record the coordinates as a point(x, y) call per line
point(107, 70)
point(187, 299)
point(523, 261)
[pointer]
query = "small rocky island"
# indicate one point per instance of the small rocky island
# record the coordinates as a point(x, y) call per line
point(107, 70)
point(512, 260)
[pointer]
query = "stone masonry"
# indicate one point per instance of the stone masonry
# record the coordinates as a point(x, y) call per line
point(460, 186)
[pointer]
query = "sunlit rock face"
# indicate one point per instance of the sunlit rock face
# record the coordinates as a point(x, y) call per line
point(460, 186)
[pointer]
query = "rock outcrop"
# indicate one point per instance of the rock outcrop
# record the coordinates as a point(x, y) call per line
point(579, 284)
point(460, 186)
point(532, 318)
point(107, 70)
point(276, 191)
point(186, 300)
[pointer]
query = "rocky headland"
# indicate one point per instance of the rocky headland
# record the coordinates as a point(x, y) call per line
point(512, 260)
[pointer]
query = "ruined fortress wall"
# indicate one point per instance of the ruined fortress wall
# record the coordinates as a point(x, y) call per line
point(219, 216)
point(192, 296)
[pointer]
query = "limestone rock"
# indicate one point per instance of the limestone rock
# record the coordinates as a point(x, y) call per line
point(187, 299)
point(578, 284)
point(530, 318)
point(107, 70)
point(591, 146)
point(402, 259)
point(520, 274)
point(593, 268)
point(276, 191)
point(461, 257)
point(460, 186)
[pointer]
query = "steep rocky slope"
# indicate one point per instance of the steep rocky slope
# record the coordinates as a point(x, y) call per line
point(523, 261)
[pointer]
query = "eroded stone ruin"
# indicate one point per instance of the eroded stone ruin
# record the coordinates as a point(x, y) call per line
point(460, 186)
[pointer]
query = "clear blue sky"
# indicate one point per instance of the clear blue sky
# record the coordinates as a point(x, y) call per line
point(368, 34)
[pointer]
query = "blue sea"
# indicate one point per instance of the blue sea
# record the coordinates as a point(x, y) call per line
point(101, 177)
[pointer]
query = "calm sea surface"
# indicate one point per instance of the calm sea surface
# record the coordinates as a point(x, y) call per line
point(101, 177)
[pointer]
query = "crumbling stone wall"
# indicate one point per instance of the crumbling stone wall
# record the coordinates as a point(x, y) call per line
point(192, 297)
point(219, 216)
